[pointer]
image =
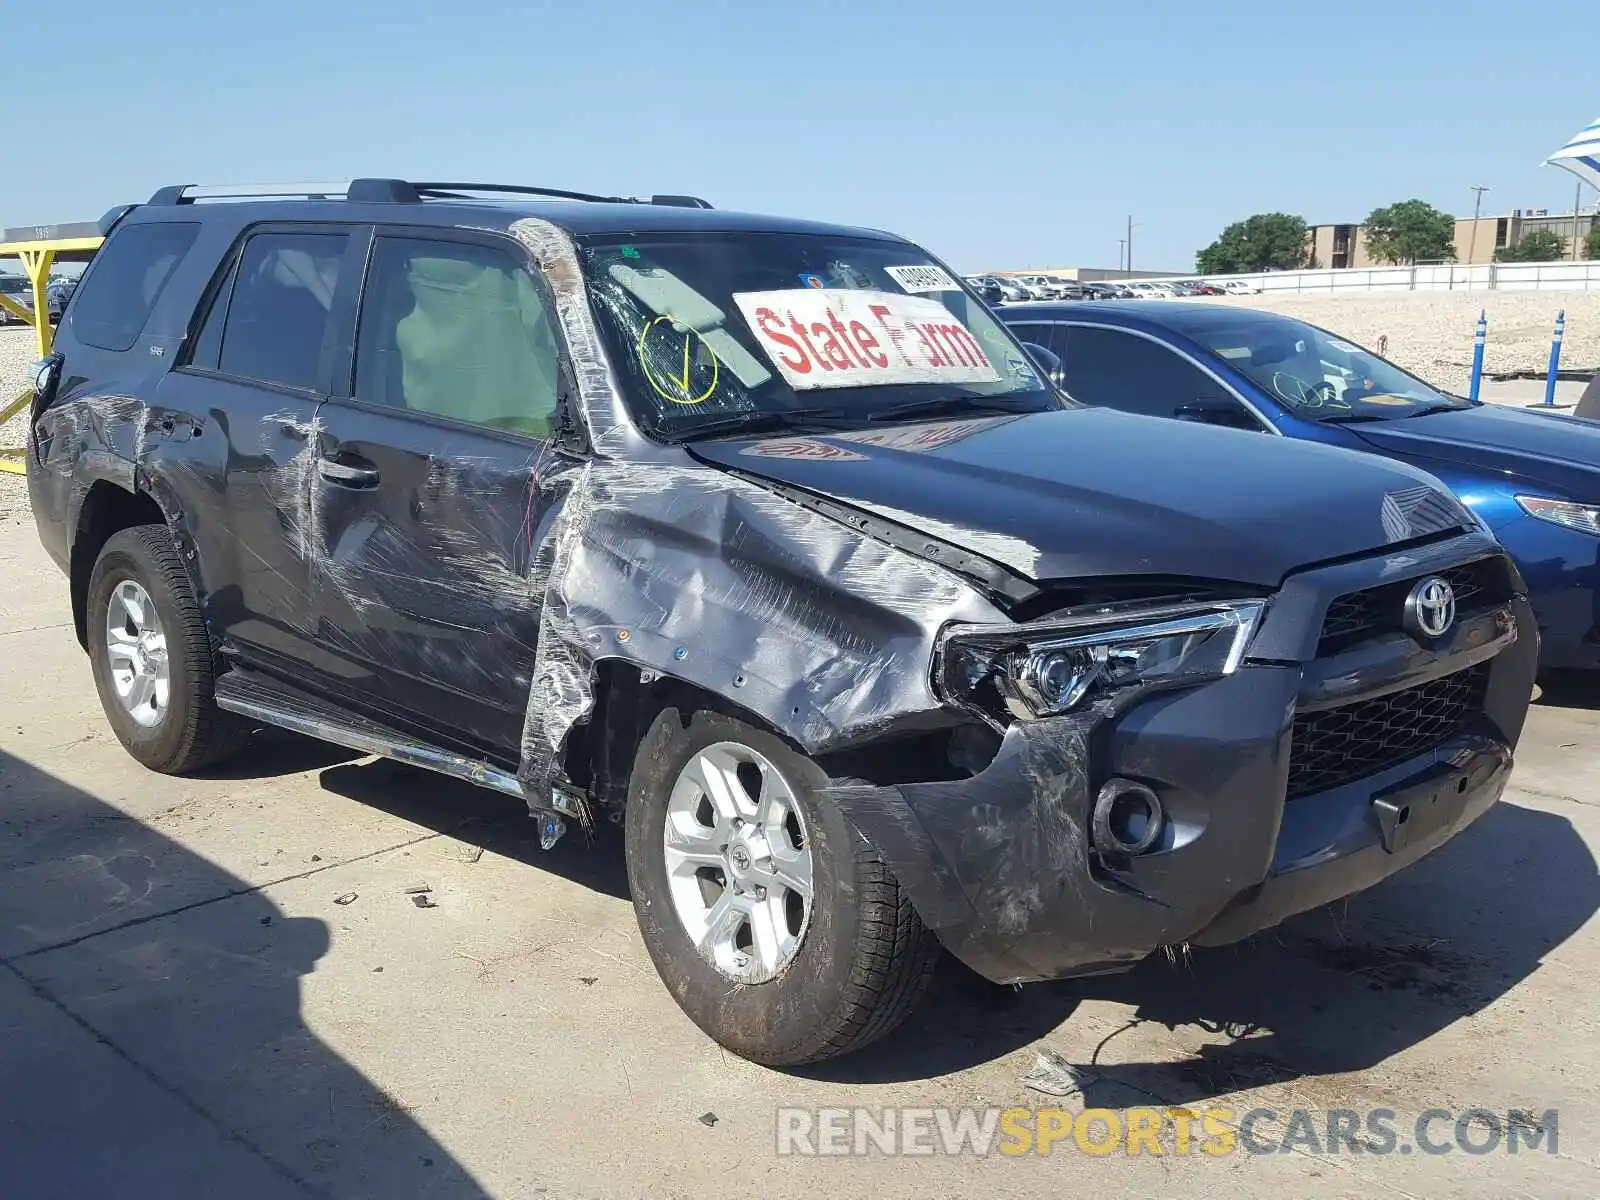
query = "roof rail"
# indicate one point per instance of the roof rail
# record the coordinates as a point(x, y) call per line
point(188, 193)
point(452, 191)
point(391, 191)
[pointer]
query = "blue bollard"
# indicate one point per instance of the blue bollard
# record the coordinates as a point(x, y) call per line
point(1477, 353)
point(1555, 360)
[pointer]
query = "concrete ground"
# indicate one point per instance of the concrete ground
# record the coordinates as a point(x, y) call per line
point(1529, 393)
point(220, 986)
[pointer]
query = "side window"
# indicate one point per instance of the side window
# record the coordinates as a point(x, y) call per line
point(125, 280)
point(1121, 370)
point(208, 344)
point(1036, 332)
point(277, 315)
point(456, 330)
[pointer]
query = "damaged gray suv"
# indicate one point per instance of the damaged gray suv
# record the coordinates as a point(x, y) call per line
point(766, 539)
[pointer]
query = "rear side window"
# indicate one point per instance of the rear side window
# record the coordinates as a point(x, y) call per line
point(125, 281)
point(277, 310)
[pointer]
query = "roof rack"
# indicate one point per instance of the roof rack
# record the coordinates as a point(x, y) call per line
point(392, 191)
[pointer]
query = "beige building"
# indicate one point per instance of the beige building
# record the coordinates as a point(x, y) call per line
point(1345, 246)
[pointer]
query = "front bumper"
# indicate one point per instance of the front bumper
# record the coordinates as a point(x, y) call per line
point(1003, 868)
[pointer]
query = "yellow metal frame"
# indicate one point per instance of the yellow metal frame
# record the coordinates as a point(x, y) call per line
point(37, 258)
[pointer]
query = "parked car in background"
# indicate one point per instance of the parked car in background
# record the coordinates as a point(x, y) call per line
point(1532, 478)
point(988, 287)
point(1043, 287)
point(19, 290)
point(1014, 291)
point(1239, 287)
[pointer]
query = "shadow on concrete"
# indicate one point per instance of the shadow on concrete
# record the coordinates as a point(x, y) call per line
point(272, 752)
point(1335, 990)
point(500, 824)
point(150, 1026)
point(1569, 689)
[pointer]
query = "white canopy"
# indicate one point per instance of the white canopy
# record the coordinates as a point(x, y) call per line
point(1581, 155)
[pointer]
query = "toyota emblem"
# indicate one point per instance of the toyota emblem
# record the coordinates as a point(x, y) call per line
point(1431, 607)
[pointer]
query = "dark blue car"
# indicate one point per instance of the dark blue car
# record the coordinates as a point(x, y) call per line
point(1533, 478)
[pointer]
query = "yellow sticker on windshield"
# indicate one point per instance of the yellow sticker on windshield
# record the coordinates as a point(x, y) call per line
point(1387, 398)
point(677, 362)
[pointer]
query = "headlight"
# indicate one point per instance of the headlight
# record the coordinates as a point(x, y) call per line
point(1585, 518)
point(1043, 670)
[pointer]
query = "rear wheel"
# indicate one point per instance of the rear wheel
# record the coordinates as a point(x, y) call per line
point(153, 661)
point(775, 925)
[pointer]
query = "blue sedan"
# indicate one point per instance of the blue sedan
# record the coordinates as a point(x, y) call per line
point(1533, 478)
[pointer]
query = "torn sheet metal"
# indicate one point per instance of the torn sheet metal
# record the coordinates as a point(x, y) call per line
point(713, 579)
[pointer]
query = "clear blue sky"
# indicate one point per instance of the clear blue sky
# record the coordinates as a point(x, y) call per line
point(997, 132)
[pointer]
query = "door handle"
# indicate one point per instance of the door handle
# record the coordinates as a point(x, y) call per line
point(347, 474)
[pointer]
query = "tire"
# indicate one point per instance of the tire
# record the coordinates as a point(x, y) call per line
point(192, 731)
point(864, 958)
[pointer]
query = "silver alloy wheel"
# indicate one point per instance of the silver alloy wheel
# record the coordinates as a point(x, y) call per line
point(136, 650)
point(738, 862)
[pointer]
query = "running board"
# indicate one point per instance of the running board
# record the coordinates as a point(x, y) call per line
point(264, 699)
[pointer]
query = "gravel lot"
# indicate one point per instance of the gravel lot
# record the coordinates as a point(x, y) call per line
point(1430, 333)
point(17, 351)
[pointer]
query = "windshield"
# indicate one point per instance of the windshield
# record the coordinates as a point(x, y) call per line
point(1318, 374)
point(710, 328)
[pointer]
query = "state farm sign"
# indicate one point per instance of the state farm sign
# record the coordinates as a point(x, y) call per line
point(842, 337)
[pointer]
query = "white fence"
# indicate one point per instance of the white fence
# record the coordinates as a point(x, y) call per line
point(1502, 277)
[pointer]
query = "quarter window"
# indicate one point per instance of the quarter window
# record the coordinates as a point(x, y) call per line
point(457, 330)
point(126, 279)
point(277, 318)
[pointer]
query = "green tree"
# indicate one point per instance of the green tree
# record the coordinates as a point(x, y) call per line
point(1541, 245)
point(1264, 242)
point(1409, 232)
point(1591, 244)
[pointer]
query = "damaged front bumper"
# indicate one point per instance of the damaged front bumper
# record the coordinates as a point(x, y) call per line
point(1004, 868)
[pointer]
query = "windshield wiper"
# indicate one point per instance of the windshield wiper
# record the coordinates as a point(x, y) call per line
point(759, 420)
point(1352, 418)
point(1434, 408)
point(942, 406)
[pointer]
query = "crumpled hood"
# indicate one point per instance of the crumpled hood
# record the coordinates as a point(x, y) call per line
point(1093, 492)
point(1561, 451)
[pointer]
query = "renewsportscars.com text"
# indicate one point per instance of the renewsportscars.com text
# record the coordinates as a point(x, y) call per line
point(1213, 1131)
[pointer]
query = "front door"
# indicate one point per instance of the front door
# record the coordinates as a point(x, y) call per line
point(426, 486)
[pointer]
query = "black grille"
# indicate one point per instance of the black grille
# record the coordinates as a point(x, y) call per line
point(1377, 612)
point(1338, 745)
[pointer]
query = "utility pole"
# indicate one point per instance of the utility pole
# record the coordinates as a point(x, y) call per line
point(1477, 204)
point(1130, 243)
point(1121, 244)
point(1577, 200)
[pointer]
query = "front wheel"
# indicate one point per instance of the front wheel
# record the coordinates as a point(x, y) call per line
point(776, 926)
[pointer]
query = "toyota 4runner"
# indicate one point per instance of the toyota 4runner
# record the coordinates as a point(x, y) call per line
point(768, 539)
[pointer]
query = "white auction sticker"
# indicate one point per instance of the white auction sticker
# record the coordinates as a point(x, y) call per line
point(923, 279)
point(842, 337)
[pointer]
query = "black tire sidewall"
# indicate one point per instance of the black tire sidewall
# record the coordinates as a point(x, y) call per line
point(787, 1019)
point(127, 556)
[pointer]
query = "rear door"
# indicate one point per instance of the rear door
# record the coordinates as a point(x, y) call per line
point(276, 319)
point(426, 486)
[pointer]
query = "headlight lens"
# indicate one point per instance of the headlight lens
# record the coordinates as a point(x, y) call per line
point(1043, 670)
point(1585, 518)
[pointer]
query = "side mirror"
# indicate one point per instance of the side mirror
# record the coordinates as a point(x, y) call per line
point(1215, 412)
point(1047, 362)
